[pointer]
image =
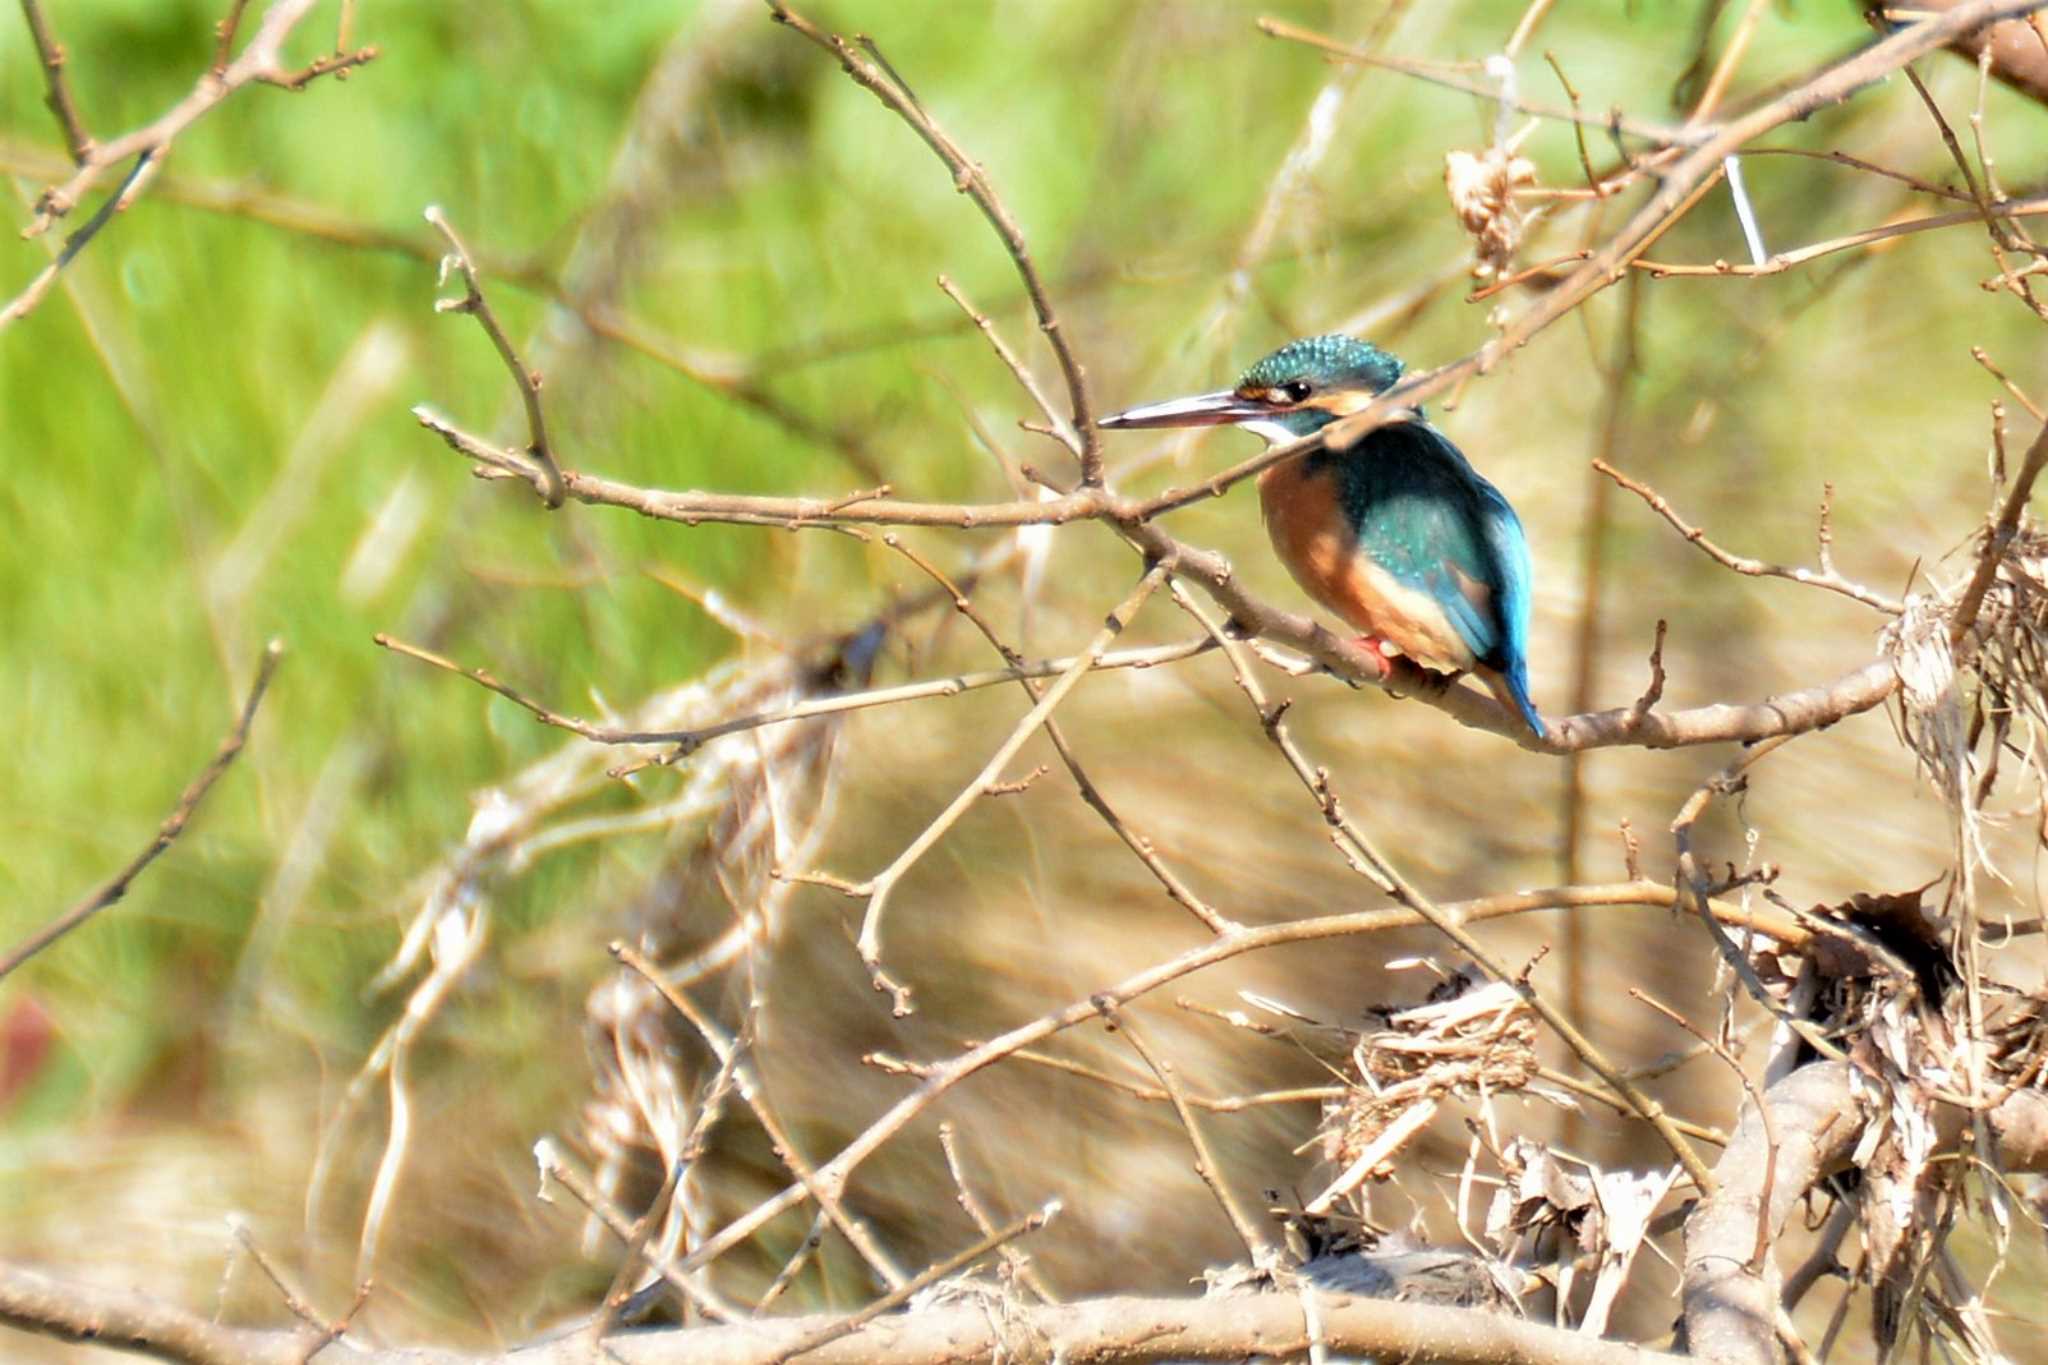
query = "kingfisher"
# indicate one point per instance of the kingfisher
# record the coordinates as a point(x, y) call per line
point(1397, 534)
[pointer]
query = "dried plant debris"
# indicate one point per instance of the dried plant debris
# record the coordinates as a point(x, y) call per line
point(763, 800)
point(1584, 1219)
point(1469, 1041)
point(1894, 998)
point(1482, 186)
point(1339, 1256)
point(1891, 938)
point(1969, 704)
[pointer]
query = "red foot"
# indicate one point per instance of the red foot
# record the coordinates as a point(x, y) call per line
point(1381, 652)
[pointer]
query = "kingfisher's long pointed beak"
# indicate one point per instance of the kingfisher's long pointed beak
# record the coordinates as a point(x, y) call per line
point(1218, 409)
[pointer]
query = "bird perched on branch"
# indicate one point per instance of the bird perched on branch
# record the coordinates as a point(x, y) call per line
point(1396, 533)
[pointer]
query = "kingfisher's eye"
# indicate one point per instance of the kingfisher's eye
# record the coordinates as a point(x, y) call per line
point(1297, 390)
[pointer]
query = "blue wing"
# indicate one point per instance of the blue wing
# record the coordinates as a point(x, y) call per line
point(1428, 518)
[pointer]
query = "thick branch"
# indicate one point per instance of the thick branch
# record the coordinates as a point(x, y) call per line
point(2019, 51)
point(127, 1321)
point(1105, 1330)
point(1731, 1309)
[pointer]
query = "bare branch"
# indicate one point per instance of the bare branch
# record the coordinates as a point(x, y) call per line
point(51, 54)
point(693, 1288)
point(324, 1331)
point(877, 888)
point(528, 381)
point(1062, 428)
point(1255, 1244)
point(1141, 847)
point(1779, 262)
point(1114, 1330)
point(1360, 850)
point(1731, 1303)
point(689, 741)
point(1659, 134)
point(224, 35)
point(972, 181)
point(1999, 538)
point(1018, 1263)
point(1824, 577)
point(2015, 50)
point(943, 1077)
point(167, 834)
point(1983, 357)
point(923, 1280)
point(1680, 185)
point(91, 1315)
point(150, 144)
point(729, 1053)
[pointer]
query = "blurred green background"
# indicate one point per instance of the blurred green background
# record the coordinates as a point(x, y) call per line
point(208, 444)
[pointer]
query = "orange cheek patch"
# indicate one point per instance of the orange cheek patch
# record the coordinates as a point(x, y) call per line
point(1342, 402)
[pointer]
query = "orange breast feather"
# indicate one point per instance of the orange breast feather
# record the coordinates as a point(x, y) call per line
point(1320, 548)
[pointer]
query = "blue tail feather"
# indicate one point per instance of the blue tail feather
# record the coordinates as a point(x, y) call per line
point(1517, 677)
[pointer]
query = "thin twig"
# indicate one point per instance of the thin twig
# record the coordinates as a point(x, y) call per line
point(1731, 59)
point(528, 381)
point(1020, 1265)
point(1586, 642)
point(971, 180)
point(51, 54)
point(554, 1166)
point(1226, 1104)
point(224, 34)
point(1826, 577)
point(689, 741)
point(1692, 884)
point(942, 1077)
point(1531, 17)
point(1566, 1081)
point(1681, 184)
point(325, 1331)
point(1061, 426)
point(824, 1192)
point(1821, 1261)
point(1999, 539)
point(147, 146)
point(1780, 262)
point(897, 1297)
point(1760, 1257)
point(167, 833)
point(1255, 1244)
point(878, 888)
point(1841, 158)
point(1368, 860)
point(1983, 357)
point(1140, 845)
point(676, 1166)
point(1657, 134)
point(793, 1267)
